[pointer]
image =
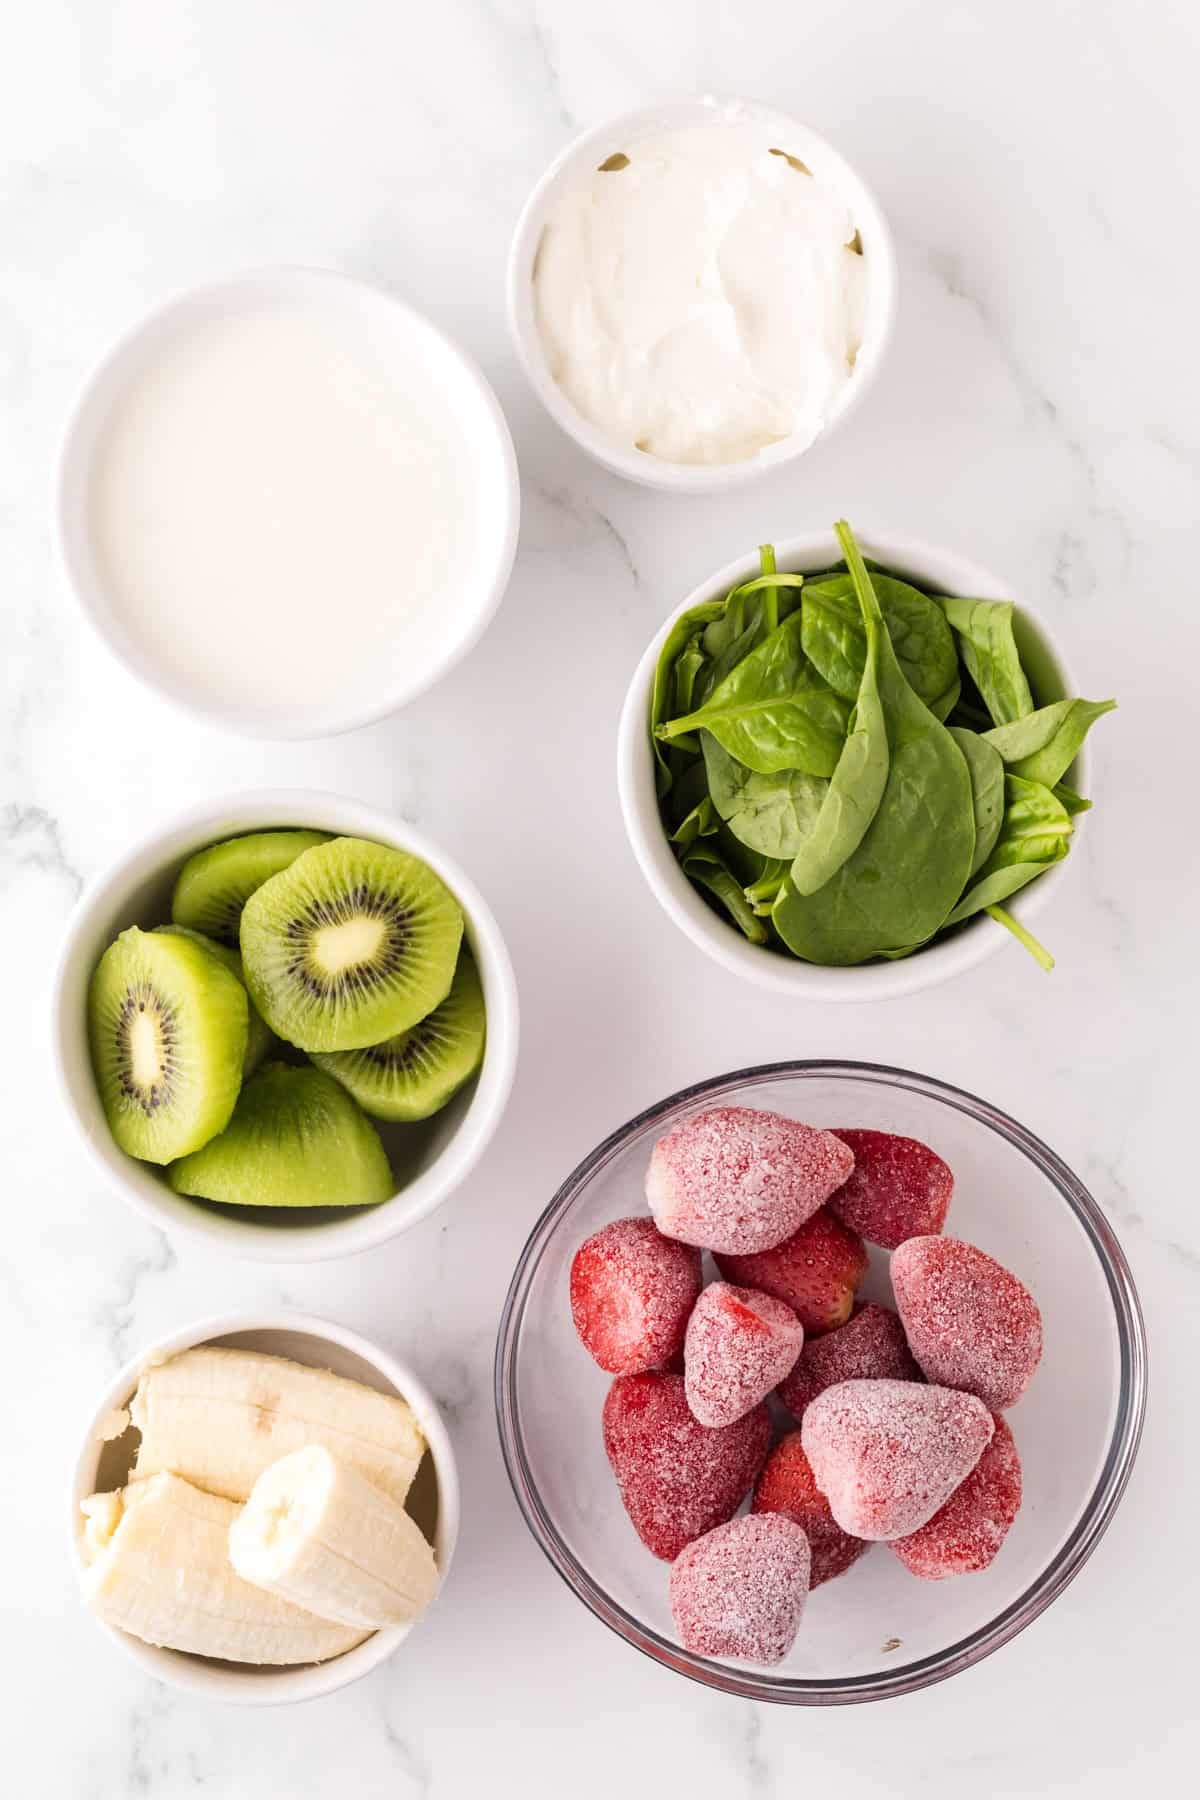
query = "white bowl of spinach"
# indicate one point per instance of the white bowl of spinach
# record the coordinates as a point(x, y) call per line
point(845, 780)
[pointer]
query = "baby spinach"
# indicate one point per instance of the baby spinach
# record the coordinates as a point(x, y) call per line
point(773, 711)
point(985, 765)
point(1043, 745)
point(835, 639)
point(1035, 833)
point(704, 864)
point(1074, 803)
point(773, 814)
point(989, 651)
point(915, 857)
point(662, 699)
point(700, 822)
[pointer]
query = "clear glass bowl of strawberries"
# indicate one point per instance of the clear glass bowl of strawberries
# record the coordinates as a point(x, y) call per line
point(819, 1381)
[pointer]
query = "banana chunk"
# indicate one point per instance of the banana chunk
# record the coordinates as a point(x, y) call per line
point(220, 1417)
point(316, 1532)
point(157, 1566)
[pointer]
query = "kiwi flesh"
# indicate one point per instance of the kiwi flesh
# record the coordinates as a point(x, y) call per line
point(351, 944)
point(213, 885)
point(167, 1026)
point(414, 1074)
point(296, 1138)
point(259, 1036)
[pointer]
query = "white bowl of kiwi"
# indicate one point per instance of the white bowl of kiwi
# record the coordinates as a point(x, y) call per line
point(287, 1024)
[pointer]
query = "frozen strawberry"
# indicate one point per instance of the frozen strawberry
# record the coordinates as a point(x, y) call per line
point(888, 1454)
point(739, 1591)
point(738, 1180)
point(631, 1293)
point(787, 1485)
point(818, 1271)
point(966, 1534)
point(969, 1322)
point(898, 1188)
point(870, 1346)
point(739, 1346)
point(678, 1478)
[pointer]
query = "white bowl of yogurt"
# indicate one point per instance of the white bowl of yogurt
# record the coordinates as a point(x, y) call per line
point(700, 291)
point(288, 502)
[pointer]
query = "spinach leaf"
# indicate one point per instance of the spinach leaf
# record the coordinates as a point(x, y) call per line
point(772, 814)
point(944, 705)
point(835, 639)
point(1043, 745)
point(986, 768)
point(1034, 834)
point(662, 693)
point(773, 711)
point(999, 885)
point(763, 893)
point(700, 822)
point(989, 651)
point(858, 782)
point(753, 610)
point(1074, 803)
point(914, 860)
point(704, 865)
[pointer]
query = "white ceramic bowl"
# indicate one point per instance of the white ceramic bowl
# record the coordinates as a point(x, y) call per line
point(586, 153)
point(433, 1502)
point(436, 1155)
point(937, 571)
point(467, 394)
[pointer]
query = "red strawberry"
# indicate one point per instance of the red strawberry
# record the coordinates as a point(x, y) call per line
point(787, 1485)
point(969, 1322)
point(677, 1478)
point(887, 1455)
point(818, 1271)
point(739, 1591)
point(739, 1345)
point(632, 1291)
point(969, 1530)
point(869, 1346)
point(739, 1180)
point(897, 1189)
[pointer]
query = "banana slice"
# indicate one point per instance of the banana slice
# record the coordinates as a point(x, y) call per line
point(315, 1532)
point(157, 1566)
point(220, 1417)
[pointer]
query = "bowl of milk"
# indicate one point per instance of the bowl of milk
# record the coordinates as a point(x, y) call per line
point(288, 502)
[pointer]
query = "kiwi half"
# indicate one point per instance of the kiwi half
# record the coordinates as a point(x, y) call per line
point(414, 1074)
point(167, 1024)
point(295, 1139)
point(259, 1036)
point(215, 884)
point(350, 945)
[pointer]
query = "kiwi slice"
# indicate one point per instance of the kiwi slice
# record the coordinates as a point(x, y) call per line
point(415, 1073)
point(215, 884)
point(259, 1036)
point(295, 1139)
point(167, 1025)
point(350, 945)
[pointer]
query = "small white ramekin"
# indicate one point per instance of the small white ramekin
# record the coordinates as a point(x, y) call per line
point(323, 1345)
point(136, 890)
point(938, 571)
point(468, 395)
point(584, 154)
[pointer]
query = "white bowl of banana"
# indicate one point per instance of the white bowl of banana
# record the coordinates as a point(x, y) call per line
point(264, 1506)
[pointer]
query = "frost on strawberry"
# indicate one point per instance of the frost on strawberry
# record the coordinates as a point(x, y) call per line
point(970, 1323)
point(967, 1533)
point(787, 1485)
point(899, 1188)
point(870, 1346)
point(888, 1454)
point(739, 1345)
point(739, 1591)
point(632, 1291)
point(738, 1180)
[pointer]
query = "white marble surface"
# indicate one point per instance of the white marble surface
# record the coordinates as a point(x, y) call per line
point(1039, 163)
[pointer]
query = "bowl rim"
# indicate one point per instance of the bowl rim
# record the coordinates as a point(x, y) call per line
point(977, 940)
point(1089, 1528)
point(233, 815)
point(288, 1685)
point(73, 461)
point(634, 465)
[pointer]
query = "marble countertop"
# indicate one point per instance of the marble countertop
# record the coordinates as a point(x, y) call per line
point(1039, 163)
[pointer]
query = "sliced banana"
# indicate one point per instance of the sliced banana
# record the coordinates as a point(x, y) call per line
point(220, 1417)
point(157, 1565)
point(316, 1532)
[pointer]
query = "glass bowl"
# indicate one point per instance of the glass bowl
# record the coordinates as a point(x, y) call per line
point(877, 1630)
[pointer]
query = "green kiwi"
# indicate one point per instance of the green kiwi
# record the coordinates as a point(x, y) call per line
point(350, 945)
point(259, 1036)
point(414, 1074)
point(215, 884)
point(167, 1025)
point(295, 1139)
